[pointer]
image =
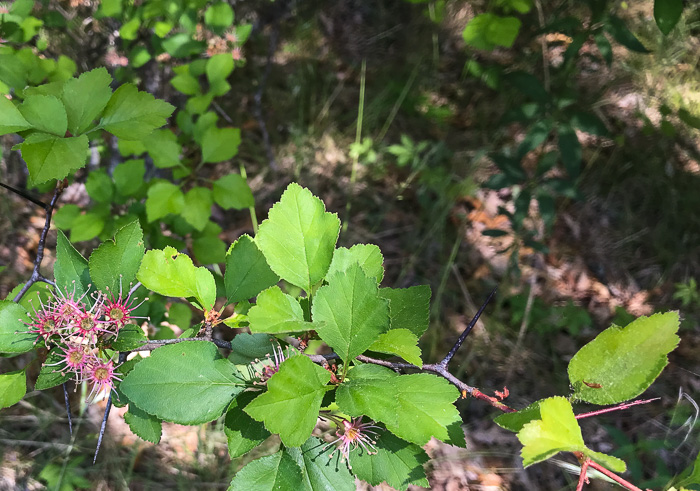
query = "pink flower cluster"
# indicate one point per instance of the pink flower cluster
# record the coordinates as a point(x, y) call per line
point(76, 329)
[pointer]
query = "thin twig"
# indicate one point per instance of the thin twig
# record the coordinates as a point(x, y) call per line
point(583, 477)
point(625, 484)
point(67, 400)
point(619, 407)
point(155, 344)
point(25, 195)
point(466, 331)
point(102, 427)
point(36, 275)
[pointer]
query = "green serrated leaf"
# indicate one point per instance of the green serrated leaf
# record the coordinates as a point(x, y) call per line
point(172, 274)
point(86, 226)
point(667, 13)
point(219, 16)
point(71, 270)
point(397, 462)
point(220, 144)
point(13, 386)
point(246, 348)
point(52, 157)
point(11, 120)
point(99, 186)
point(617, 28)
point(186, 83)
point(276, 312)
point(298, 238)
point(163, 147)
point(14, 337)
point(50, 374)
point(163, 198)
point(318, 472)
point(368, 256)
point(129, 338)
point(399, 342)
point(348, 312)
point(558, 431)
point(143, 425)
point(209, 250)
point(292, 401)
point(133, 115)
point(414, 407)
point(570, 150)
point(232, 192)
point(247, 272)
point(85, 97)
point(187, 383)
point(272, 473)
point(128, 176)
point(621, 363)
point(409, 308)
point(243, 432)
point(114, 264)
point(197, 209)
point(45, 113)
point(515, 421)
point(219, 67)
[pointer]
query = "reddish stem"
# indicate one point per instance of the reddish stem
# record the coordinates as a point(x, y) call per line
point(583, 477)
point(619, 407)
